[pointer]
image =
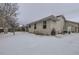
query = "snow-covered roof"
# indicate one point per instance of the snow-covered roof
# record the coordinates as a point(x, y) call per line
point(73, 21)
point(51, 17)
point(54, 18)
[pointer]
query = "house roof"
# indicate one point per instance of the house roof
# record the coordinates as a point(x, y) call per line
point(53, 18)
point(68, 20)
point(72, 21)
point(61, 16)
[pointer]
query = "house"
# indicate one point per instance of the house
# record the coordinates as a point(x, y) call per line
point(53, 24)
point(4, 26)
point(1, 26)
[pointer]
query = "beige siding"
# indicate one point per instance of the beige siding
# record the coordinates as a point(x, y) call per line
point(31, 29)
point(39, 28)
point(52, 26)
point(74, 26)
point(0, 23)
point(60, 25)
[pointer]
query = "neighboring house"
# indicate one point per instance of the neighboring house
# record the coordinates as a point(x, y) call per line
point(1, 26)
point(4, 27)
point(58, 24)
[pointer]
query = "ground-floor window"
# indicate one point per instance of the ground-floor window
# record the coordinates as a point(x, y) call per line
point(34, 26)
point(44, 24)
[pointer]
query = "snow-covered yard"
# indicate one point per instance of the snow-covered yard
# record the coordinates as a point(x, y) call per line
point(26, 43)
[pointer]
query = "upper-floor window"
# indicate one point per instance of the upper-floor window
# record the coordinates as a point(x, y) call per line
point(44, 24)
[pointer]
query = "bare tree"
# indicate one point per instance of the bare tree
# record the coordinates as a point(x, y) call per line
point(8, 14)
point(12, 23)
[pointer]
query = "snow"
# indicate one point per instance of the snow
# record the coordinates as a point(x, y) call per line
point(23, 43)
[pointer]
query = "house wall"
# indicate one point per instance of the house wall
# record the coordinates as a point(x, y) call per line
point(60, 25)
point(1, 26)
point(53, 26)
point(0, 23)
point(73, 27)
point(39, 28)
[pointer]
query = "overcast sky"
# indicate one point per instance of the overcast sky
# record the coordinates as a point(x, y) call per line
point(32, 12)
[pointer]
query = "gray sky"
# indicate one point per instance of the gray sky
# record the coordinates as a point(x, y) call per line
point(29, 12)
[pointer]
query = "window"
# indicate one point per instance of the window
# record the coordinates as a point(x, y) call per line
point(34, 26)
point(44, 24)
